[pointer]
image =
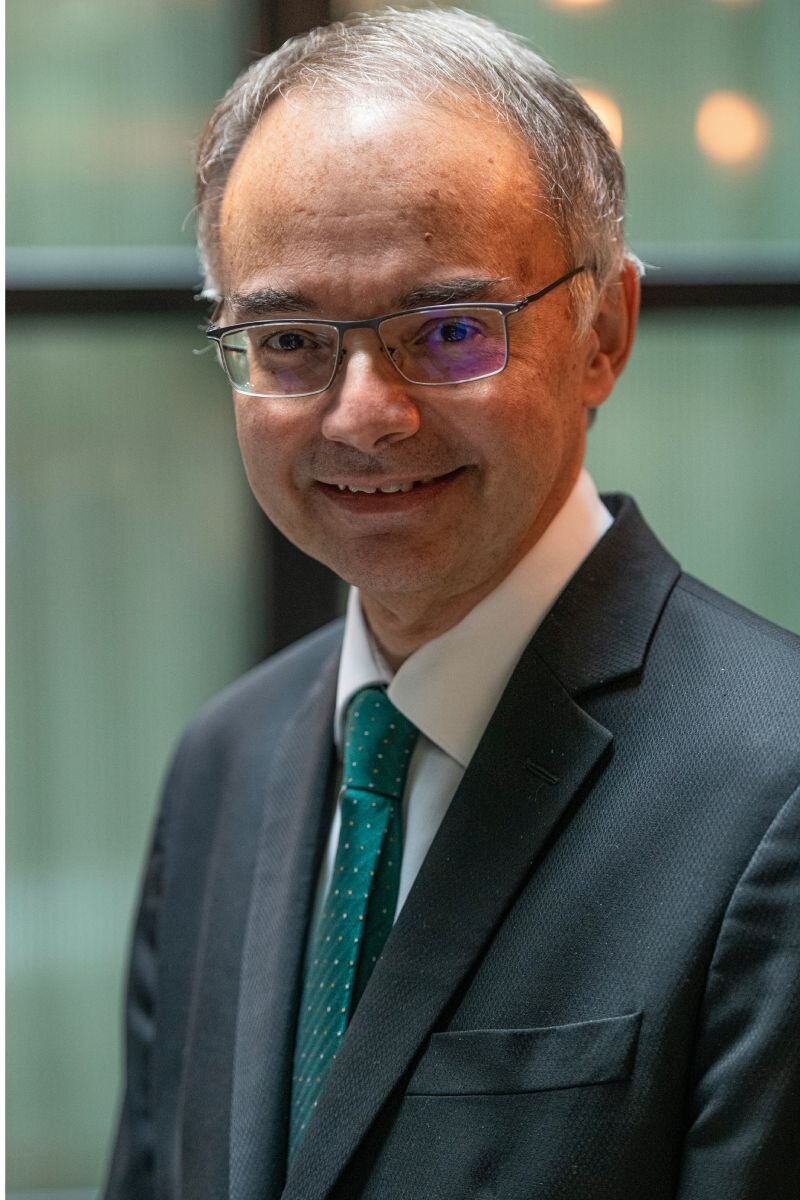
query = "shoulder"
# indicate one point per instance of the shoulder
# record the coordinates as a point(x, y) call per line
point(710, 627)
point(700, 680)
point(714, 611)
point(279, 679)
point(638, 582)
point(729, 678)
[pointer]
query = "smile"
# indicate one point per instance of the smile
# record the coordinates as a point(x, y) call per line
point(386, 491)
point(399, 494)
point(391, 488)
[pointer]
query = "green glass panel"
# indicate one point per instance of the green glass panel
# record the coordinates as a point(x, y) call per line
point(136, 581)
point(658, 62)
point(105, 103)
point(703, 429)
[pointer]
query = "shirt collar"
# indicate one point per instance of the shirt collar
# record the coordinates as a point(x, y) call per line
point(450, 687)
point(361, 665)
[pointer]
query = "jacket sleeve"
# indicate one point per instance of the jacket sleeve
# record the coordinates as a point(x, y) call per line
point(131, 1174)
point(743, 1139)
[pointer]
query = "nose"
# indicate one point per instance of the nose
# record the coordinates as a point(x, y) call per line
point(370, 406)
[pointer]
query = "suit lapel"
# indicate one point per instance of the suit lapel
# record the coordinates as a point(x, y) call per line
point(599, 630)
point(283, 892)
point(536, 761)
point(257, 910)
point(523, 779)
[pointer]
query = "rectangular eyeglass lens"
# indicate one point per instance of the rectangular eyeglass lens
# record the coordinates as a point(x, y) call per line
point(281, 359)
point(446, 345)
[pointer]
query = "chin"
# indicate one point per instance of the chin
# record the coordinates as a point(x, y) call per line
point(389, 582)
point(392, 577)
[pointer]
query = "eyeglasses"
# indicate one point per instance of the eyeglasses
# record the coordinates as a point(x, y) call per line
point(432, 347)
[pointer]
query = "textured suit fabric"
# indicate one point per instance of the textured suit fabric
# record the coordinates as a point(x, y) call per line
point(592, 990)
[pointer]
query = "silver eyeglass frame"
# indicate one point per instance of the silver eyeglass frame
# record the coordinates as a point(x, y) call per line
point(216, 333)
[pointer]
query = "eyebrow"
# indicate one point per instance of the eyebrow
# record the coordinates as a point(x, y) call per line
point(449, 291)
point(268, 301)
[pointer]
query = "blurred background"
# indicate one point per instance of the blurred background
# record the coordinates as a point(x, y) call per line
point(141, 575)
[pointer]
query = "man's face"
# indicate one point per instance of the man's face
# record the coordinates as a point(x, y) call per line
point(355, 207)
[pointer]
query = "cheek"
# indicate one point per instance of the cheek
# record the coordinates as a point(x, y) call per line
point(269, 436)
point(545, 396)
point(527, 446)
point(253, 445)
point(517, 424)
point(271, 450)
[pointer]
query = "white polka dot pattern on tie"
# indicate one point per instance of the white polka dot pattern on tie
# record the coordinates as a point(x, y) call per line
point(368, 855)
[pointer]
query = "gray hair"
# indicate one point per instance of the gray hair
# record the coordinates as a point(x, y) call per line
point(438, 56)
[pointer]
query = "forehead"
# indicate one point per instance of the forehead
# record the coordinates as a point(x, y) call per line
point(331, 188)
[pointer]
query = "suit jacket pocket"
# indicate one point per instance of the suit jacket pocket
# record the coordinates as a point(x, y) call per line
point(492, 1061)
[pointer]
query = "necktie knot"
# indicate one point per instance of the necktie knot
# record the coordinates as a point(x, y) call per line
point(378, 743)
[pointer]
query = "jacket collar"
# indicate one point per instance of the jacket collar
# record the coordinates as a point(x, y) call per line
point(601, 626)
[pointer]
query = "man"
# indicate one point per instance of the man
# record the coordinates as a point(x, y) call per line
point(525, 923)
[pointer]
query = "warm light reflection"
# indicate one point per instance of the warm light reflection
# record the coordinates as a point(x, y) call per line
point(731, 129)
point(577, 3)
point(736, 3)
point(607, 109)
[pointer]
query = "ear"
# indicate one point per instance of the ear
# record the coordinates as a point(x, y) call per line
point(611, 339)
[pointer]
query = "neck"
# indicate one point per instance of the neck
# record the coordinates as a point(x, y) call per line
point(401, 623)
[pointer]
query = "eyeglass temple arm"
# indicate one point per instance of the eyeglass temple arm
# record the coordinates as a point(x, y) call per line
point(556, 283)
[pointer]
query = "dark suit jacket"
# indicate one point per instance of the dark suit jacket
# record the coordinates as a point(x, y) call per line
point(591, 992)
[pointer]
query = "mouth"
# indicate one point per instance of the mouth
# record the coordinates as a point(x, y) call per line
point(389, 487)
point(390, 495)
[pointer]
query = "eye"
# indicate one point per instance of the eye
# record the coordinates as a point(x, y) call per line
point(287, 340)
point(456, 331)
point(449, 330)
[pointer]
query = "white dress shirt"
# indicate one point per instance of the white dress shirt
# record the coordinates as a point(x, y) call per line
point(450, 687)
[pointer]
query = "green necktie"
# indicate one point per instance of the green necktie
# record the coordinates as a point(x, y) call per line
point(359, 908)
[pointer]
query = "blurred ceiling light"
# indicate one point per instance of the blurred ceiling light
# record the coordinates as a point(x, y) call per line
point(731, 129)
point(577, 3)
point(607, 109)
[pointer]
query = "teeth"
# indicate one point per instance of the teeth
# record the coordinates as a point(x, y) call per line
point(387, 491)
